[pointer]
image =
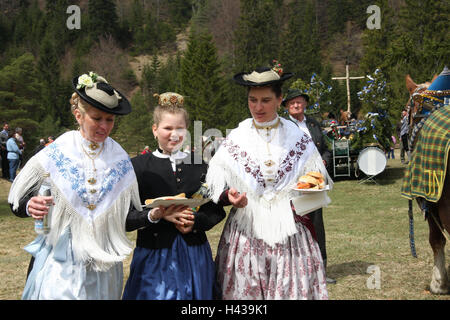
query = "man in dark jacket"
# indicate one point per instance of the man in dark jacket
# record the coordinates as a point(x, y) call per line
point(4, 135)
point(296, 103)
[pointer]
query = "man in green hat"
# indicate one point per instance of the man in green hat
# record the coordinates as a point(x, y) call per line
point(295, 103)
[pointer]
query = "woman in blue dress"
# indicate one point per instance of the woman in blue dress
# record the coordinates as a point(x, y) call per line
point(172, 259)
point(92, 185)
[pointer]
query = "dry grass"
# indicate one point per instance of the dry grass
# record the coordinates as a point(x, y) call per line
point(366, 224)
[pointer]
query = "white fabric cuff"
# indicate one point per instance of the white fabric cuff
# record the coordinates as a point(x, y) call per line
point(150, 217)
point(27, 208)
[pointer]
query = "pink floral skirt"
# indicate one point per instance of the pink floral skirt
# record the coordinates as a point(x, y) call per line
point(249, 269)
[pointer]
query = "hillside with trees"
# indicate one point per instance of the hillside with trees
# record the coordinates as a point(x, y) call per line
point(136, 45)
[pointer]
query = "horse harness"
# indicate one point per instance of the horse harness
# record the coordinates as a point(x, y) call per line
point(425, 206)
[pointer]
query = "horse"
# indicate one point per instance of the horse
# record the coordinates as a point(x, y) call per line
point(436, 213)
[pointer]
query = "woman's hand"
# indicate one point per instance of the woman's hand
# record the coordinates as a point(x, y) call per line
point(38, 206)
point(236, 199)
point(186, 227)
point(179, 215)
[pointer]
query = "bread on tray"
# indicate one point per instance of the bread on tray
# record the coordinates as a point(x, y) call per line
point(178, 196)
point(311, 180)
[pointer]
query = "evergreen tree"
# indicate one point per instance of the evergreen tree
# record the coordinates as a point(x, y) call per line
point(201, 82)
point(256, 37)
point(337, 13)
point(5, 32)
point(150, 77)
point(103, 19)
point(420, 40)
point(132, 132)
point(180, 11)
point(169, 75)
point(256, 44)
point(417, 46)
point(19, 96)
point(48, 70)
point(377, 41)
point(300, 48)
point(55, 25)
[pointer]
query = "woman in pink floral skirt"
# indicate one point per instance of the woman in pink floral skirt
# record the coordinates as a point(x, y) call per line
point(265, 251)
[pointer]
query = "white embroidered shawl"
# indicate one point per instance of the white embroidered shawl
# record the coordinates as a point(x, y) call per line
point(98, 235)
point(237, 163)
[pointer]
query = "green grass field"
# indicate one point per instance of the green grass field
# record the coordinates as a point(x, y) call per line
point(366, 226)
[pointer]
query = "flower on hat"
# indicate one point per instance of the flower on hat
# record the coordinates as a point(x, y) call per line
point(277, 67)
point(87, 80)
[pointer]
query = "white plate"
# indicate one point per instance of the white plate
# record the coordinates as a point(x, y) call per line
point(192, 203)
point(306, 203)
point(327, 188)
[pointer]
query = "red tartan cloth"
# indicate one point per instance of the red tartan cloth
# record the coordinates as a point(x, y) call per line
point(306, 221)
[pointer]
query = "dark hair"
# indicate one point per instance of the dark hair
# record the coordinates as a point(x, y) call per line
point(276, 88)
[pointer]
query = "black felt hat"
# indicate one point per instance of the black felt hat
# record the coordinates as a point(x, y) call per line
point(96, 91)
point(261, 77)
point(294, 93)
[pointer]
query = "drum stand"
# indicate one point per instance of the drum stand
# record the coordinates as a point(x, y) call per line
point(369, 178)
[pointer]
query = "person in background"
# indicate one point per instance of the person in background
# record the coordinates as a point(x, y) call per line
point(39, 147)
point(390, 152)
point(4, 135)
point(21, 144)
point(146, 150)
point(296, 103)
point(14, 155)
point(50, 139)
point(19, 138)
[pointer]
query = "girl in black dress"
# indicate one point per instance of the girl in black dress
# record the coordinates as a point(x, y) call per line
point(172, 258)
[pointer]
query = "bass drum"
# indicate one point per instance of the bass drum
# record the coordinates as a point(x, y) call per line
point(372, 161)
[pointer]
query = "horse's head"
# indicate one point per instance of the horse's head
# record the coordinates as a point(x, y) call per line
point(412, 106)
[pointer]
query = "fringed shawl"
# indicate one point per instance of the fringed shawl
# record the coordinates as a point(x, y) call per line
point(268, 215)
point(98, 235)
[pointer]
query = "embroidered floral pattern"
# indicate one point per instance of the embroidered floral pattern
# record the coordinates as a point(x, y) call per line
point(292, 157)
point(252, 167)
point(76, 177)
point(249, 269)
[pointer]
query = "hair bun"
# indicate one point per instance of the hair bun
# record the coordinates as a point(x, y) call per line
point(74, 99)
point(170, 99)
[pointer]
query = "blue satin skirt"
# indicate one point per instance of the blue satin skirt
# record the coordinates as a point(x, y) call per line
point(56, 275)
point(179, 273)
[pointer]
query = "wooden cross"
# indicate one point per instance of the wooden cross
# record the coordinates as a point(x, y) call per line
point(347, 78)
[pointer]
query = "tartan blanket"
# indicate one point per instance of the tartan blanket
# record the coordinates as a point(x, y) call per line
point(425, 174)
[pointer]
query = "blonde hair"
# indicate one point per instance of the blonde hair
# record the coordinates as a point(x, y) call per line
point(77, 103)
point(160, 110)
